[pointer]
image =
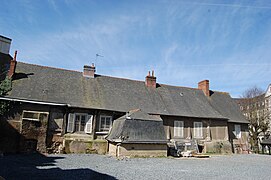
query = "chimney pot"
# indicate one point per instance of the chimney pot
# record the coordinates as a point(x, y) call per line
point(150, 80)
point(15, 55)
point(204, 86)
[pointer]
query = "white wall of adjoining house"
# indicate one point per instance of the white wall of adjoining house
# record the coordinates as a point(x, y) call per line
point(268, 103)
point(4, 45)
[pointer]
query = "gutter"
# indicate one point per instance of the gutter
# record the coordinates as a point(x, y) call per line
point(34, 102)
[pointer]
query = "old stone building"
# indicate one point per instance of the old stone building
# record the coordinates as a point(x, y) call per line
point(60, 110)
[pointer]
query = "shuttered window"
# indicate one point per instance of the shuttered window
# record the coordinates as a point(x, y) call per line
point(198, 130)
point(79, 122)
point(178, 129)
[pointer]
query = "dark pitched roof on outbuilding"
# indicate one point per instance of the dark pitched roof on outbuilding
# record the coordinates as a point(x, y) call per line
point(47, 84)
point(137, 127)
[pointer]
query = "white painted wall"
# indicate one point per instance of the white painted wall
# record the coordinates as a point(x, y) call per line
point(5, 45)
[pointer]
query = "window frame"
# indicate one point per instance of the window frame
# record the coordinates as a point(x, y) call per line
point(35, 112)
point(178, 131)
point(100, 120)
point(196, 128)
point(80, 114)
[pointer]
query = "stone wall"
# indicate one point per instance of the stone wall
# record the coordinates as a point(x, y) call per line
point(34, 133)
point(218, 147)
point(84, 143)
point(138, 150)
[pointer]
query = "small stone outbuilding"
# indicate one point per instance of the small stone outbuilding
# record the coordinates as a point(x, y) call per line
point(137, 134)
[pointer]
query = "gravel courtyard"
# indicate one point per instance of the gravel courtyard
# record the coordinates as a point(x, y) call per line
point(79, 166)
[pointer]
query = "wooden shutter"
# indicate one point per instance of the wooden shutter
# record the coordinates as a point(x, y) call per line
point(198, 129)
point(71, 120)
point(88, 127)
point(178, 128)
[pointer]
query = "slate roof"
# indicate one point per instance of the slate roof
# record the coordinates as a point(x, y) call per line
point(137, 127)
point(227, 107)
point(40, 83)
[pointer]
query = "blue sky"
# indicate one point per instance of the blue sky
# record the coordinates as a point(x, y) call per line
point(183, 41)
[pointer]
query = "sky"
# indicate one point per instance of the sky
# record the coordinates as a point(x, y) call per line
point(183, 41)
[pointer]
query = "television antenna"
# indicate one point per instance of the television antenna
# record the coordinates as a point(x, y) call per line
point(98, 55)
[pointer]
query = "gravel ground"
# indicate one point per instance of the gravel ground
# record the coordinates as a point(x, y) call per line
point(82, 166)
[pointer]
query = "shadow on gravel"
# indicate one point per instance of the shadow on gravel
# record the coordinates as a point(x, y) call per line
point(37, 166)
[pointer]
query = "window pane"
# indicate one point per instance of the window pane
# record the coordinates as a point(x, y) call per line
point(178, 128)
point(31, 115)
point(198, 129)
point(108, 122)
point(83, 118)
point(105, 123)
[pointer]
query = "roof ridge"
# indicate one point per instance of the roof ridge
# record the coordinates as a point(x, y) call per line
point(221, 92)
point(121, 78)
point(176, 86)
point(50, 67)
point(179, 86)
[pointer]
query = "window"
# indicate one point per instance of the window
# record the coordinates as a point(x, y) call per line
point(79, 122)
point(34, 116)
point(237, 131)
point(178, 128)
point(198, 130)
point(105, 123)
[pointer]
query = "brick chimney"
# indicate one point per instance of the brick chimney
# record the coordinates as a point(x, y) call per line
point(150, 80)
point(12, 66)
point(204, 86)
point(89, 71)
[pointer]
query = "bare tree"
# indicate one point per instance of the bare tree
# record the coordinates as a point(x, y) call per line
point(253, 107)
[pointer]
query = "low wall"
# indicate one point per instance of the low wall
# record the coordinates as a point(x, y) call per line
point(84, 144)
point(138, 150)
point(218, 147)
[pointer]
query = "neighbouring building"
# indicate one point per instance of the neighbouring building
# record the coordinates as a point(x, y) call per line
point(58, 110)
point(259, 107)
